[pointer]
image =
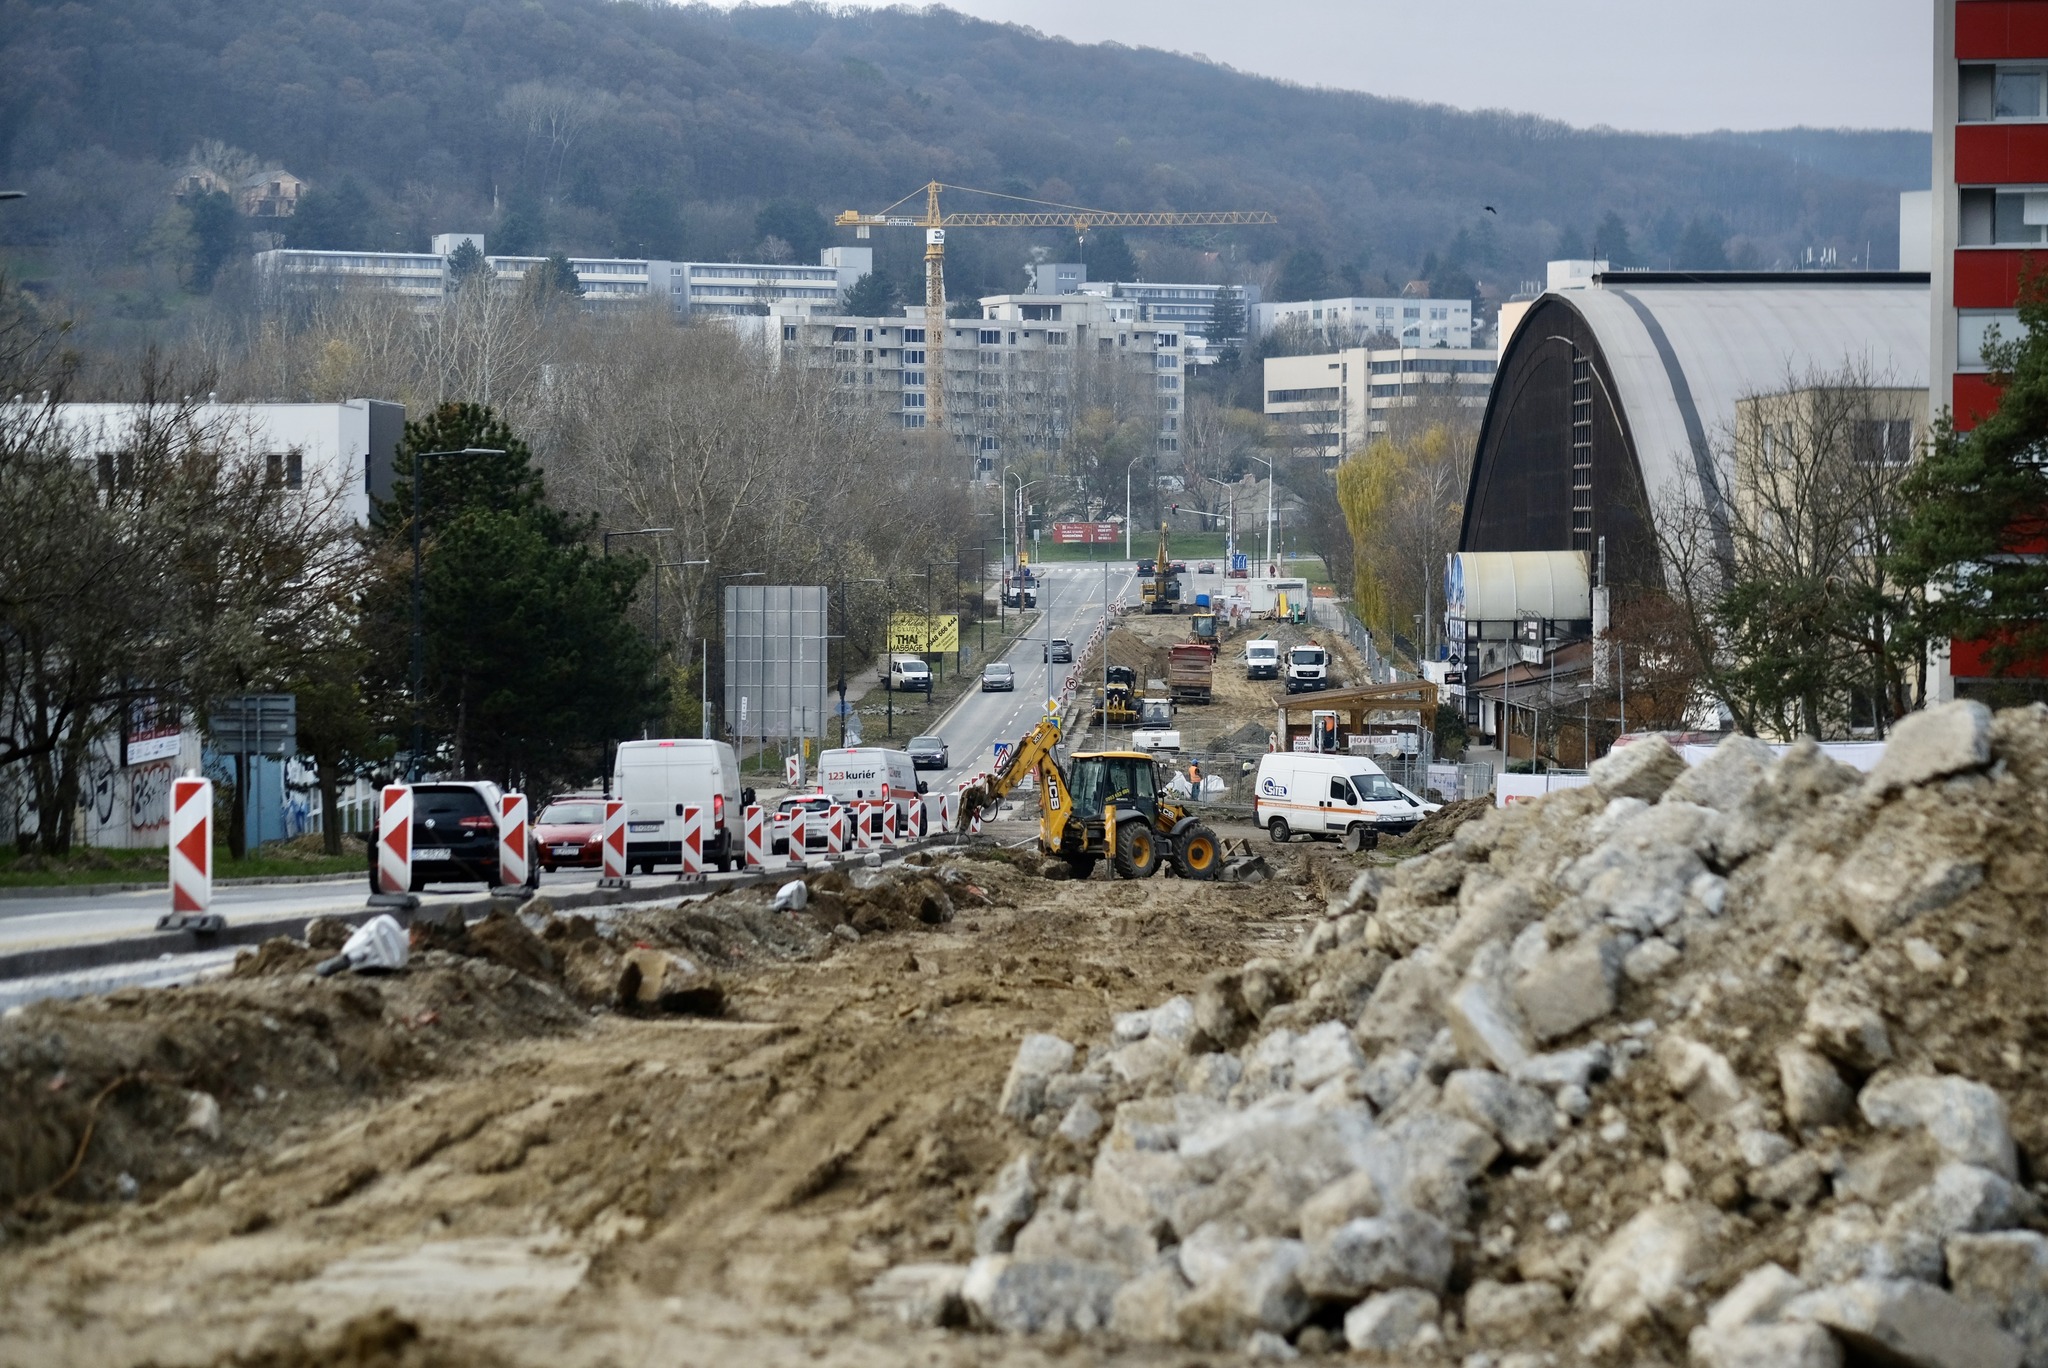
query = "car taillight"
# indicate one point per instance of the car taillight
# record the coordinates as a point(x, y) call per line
point(717, 809)
point(478, 824)
point(885, 793)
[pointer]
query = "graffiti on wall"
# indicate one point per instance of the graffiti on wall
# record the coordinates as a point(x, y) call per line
point(149, 797)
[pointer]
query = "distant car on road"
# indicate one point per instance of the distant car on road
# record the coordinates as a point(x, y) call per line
point(455, 837)
point(1148, 566)
point(1059, 652)
point(928, 752)
point(997, 676)
point(814, 807)
point(567, 832)
point(1206, 568)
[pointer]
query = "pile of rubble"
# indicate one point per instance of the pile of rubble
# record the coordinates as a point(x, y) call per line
point(1729, 1064)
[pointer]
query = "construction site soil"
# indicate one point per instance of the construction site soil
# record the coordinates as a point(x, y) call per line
point(484, 1158)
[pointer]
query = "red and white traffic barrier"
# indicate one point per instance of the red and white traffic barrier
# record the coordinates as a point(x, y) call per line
point(613, 844)
point(394, 840)
point(693, 840)
point(799, 837)
point(191, 845)
point(756, 837)
point(889, 823)
point(946, 801)
point(512, 852)
point(835, 831)
point(868, 818)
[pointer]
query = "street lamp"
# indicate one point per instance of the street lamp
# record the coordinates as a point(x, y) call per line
point(419, 654)
point(1271, 516)
point(845, 641)
point(1127, 500)
point(704, 642)
point(606, 539)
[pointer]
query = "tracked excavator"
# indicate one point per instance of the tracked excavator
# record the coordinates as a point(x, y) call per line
point(1101, 805)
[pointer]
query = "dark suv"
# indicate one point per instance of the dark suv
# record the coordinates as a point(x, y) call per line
point(1060, 652)
point(455, 837)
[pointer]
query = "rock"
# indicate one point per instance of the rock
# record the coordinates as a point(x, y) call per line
point(1038, 1059)
point(1428, 1162)
point(1922, 955)
point(1084, 1237)
point(1260, 1290)
point(1794, 1181)
point(1404, 1011)
point(1388, 1322)
point(1347, 1199)
point(1642, 769)
point(1142, 1061)
point(1265, 1346)
point(1701, 1075)
point(1510, 1311)
point(2006, 1273)
point(1389, 1075)
point(1206, 1253)
point(1209, 1075)
point(1889, 1169)
point(1570, 987)
point(1137, 1187)
point(1324, 1052)
point(1081, 1124)
point(1964, 1118)
point(1650, 960)
point(1483, 1019)
point(1147, 1308)
point(1520, 1117)
point(653, 980)
point(1726, 778)
point(1173, 1021)
point(1962, 1199)
point(1640, 877)
point(1815, 1094)
point(1029, 1297)
point(1063, 1090)
point(1001, 1211)
point(1265, 984)
point(1758, 1298)
point(1761, 1148)
point(1843, 1244)
point(921, 1295)
point(1898, 1320)
point(1949, 738)
point(1220, 1010)
point(1876, 902)
point(1652, 1262)
point(1565, 1068)
point(1763, 1346)
point(202, 1115)
point(1262, 1163)
point(1269, 1068)
point(1850, 1033)
point(1399, 1249)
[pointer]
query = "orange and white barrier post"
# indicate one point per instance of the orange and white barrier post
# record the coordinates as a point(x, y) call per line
point(946, 801)
point(889, 827)
point(693, 841)
point(865, 821)
point(394, 840)
point(756, 843)
point(835, 831)
point(799, 839)
point(612, 844)
point(191, 845)
point(512, 837)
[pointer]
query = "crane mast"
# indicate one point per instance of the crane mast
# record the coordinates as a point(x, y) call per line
point(1048, 215)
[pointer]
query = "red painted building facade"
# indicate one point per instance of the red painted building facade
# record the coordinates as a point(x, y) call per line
point(1990, 211)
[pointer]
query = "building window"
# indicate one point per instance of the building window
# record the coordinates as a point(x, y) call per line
point(913, 401)
point(913, 420)
point(1300, 396)
point(1972, 330)
point(844, 334)
point(991, 337)
point(2019, 216)
point(1411, 311)
point(1170, 403)
point(871, 334)
point(1055, 339)
point(789, 332)
point(1169, 382)
point(1884, 441)
point(913, 357)
point(913, 335)
point(285, 468)
point(913, 377)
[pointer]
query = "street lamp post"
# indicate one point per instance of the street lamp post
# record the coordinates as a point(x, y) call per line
point(722, 579)
point(705, 641)
point(1271, 514)
point(419, 653)
point(1127, 500)
point(846, 640)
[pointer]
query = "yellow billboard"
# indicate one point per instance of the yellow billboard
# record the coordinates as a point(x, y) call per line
point(916, 634)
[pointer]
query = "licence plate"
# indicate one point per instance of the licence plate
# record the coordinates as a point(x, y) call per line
point(568, 850)
point(423, 853)
point(642, 828)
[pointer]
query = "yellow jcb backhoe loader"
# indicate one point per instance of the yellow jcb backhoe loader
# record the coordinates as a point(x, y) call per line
point(1101, 805)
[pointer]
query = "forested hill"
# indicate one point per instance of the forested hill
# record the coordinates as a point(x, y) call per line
point(596, 126)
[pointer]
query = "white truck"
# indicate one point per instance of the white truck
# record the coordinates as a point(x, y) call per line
point(1308, 669)
point(657, 779)
point(1340, 797)
point(1262, 659)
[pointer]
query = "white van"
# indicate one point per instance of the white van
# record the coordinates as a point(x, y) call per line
point(1262, 659)
point(908, 674)
point(870, 772)
point(1331, 796)
point(657, 779)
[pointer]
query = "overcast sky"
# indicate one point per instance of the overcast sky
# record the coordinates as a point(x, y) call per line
point(1654, 65)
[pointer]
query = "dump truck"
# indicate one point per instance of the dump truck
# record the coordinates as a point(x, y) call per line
point(1190, 672)
point(1100, 805)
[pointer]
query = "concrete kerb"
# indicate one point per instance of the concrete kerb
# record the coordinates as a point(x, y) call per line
point(162, 886)
point(157, 945)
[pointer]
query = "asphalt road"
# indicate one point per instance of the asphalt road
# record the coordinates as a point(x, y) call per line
point(1072, 599)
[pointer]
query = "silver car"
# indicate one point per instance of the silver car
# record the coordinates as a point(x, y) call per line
point(998, 677)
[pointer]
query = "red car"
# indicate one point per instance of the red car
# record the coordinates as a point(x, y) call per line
point(568, 830)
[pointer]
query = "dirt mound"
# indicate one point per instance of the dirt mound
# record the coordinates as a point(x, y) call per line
point(379, 1339)
point(1433, 830)
point(1734, 1064)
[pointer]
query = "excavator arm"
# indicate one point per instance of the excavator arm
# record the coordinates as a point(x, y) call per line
point(1034, 754)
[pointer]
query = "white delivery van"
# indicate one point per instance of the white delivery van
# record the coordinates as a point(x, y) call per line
point(1262, 659)
point(1308, 669)
point(870, 772)
point(1331, 797)
point(658, 779)
point(908, 674)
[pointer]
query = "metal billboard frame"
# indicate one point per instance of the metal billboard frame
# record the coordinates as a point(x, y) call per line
point(775, 639)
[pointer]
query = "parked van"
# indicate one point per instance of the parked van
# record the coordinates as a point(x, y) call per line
point(658, 779)
point(870, 772)
point(1262, 659)
point(1332, 797)
point(908, 673)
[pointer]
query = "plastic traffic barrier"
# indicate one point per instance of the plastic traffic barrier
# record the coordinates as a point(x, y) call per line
point(512, 837)
point(191, 845)
point(798, 847)
point(835, 831)
point(613, 844)
point(693, 840)
point(394, 840)
point(756, 837)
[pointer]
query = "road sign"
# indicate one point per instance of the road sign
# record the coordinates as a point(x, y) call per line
point(191, 845)
point(256, 724)
point(916, 634)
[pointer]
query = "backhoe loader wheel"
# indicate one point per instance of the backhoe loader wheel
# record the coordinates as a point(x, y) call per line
point(1137, 850)
point(1197, 855)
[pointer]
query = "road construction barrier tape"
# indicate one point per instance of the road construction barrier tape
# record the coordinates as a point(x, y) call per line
point(613, 842)
point(394, 840)
point(191, 845)
point(693, 839)
point(512, 851)
point(757, 852)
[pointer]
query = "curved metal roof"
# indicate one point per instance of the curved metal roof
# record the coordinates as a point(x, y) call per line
point(1683, 350)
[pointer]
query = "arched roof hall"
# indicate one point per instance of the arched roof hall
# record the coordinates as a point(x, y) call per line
point(1607, 395)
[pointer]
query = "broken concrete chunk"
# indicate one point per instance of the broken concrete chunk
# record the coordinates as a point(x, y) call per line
point(1763, 1346)
point(1220, 1009)
point(1653, 1261)
point(1849, 1032)
point(2006, 1273)
point(1484, 1022)
point(1949, 738)
point(1147, 1308)
point(1520, 1117)
point(1347, 1199)
point(1260, 1290)
point(1398, 1249)
point(1964, 1118)
point(1210, 1075)
point(1642, 769)
point(1569, 988)
point(1324, 1052)
point(1726, 778)
point(1001, 1211)
point(1961, 1199)
point(1029, 1297)
point(1899, 1320)
point(1510, 1310)
point(1388, 1322)
point(1701, 1075)
point(1038, 1059)
point(1565, 1068)
point(1815, 1094)
point(1650, 960)
point(921, 1295)
point(1762, 1293)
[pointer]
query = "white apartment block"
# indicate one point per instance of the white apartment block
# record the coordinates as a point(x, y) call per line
point(1190, 307)
point(1336, 401)
point(720, 289)
point(1015, 377)
point(1336, 322)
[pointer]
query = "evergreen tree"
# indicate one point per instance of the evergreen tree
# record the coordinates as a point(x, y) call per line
point(1571, 246)
point(1611, 244)
point(650, 225)
point(1305, 276)
point(216, 237)
point(1108, 256)
point(872, 296)
point(1702, 246)
point(798, 224)
point(1978, 505)
point(466, 261)
point(336, 220)
point(519, 230)
point(550, 279)
point(1229, 328)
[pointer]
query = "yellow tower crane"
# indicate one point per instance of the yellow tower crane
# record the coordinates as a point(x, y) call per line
point(1047, 215)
